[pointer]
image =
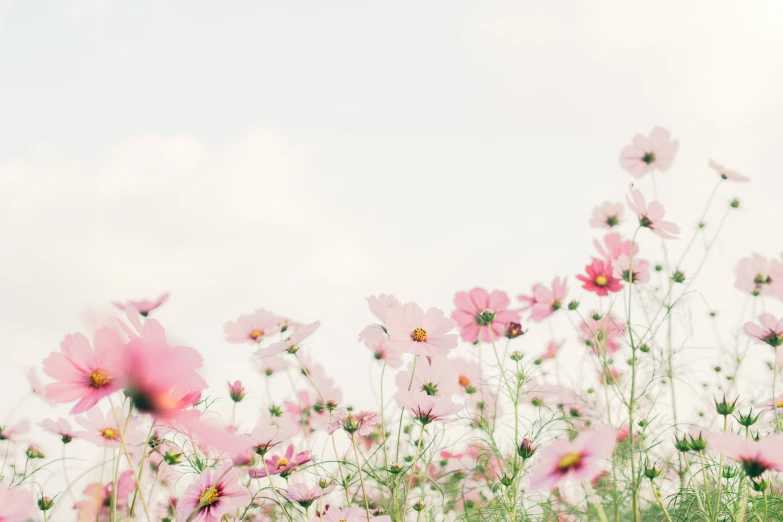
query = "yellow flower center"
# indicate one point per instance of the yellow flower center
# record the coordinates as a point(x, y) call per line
point(109, 433)
point(419, 335)
point(256, 334)
point(570, 460)
point(99, 378)
point(601, 280)
point(464, 381)
point(209, 497)
point(779, 404)
point(282, 463)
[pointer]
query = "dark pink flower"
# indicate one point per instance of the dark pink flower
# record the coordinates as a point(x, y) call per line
point(544, 302)
point(580, 460)
point(482, 315)
point(600, 279)
point(646, 154)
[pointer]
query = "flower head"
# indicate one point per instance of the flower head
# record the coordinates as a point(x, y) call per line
point(651, 216)
point(291, 343)
point(754, 275)
point(216, 492)
point(411, 330)
point(770, 331)
point(427, 408)
point(61, 428)
point(580, 460)
point(638, 273)
point(646, 154)
point(16, 505)
point(144, 306)
point(253, 328)
point(236, 391)
point(304, 495)
point(755, 457)
point(360, 423)
point(482, 315)
point(727, 174)
point(599, 278)
point(284, 465)
point(607, 215)
point(544, 302)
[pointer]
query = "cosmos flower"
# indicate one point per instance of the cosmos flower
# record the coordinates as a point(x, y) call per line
point(755, 456)
point(427, 408)
point(17, 505)
point(621, 269)
point(552, 348)
point(216, 492)
point(483, 315)
point(727, 174)
point(600, 279)
point(284, 465)
point(754, 275)
point(290, 344)
point(61, 428)
point(304, 495)
point(544, 302)
point(770, 331)
point(253, 328)
point(433, 376)
point(651, 216)
point(103, 430)
point(145, 306)
point(579, 460)
point(646, 154)
point(413, 331)
point(11, 432)
point(607, 215)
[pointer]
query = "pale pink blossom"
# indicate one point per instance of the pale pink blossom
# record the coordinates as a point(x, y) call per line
point(216, 492)
point(755, 456)
point(304, 495)
point(607, 215)
point(144, 306)
point(102, 428)
point(290, 344)
point(482, 315)
point(603, 334)
point(17, 505)
point(646, 154)
point(83, 373)
point(651, 216)
point(379, 306)
point(433, 376)
point(361, 423)
point(614, 246)
point(61, 428)
point(36, 386)
point(427, 408)
point(382, 352)
point(13, 431)
point(467, 375)
point(271, 431)
point(552, 348)
point(284, 465)
point(98, 497)
point(323, 383)
point(754, 275)
point(544, 302)
point(253, 328)
point(770, 331)
point(727, 174)
point(580, 460)
point(411, 330)
point(640, 273)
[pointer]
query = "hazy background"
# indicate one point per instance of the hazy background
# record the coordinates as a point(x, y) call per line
point(300, 156)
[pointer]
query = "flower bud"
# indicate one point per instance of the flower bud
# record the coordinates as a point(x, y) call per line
point(682, 445)
point(651, 472)
point(172, 458)
point(723, 407)
point(678, 276)
point(735, 203)
point(514, 330)
point(516, 356)
point(396, 468)
point(507, 480)
point(236, 391)
point(351, 423)
point(759, 486)
point(573, 305)
point(699, 444)
point(33, 452)
point(747, 420)
point(729, 472)
point(526, 449)
point(419, 506)
point(45, 503)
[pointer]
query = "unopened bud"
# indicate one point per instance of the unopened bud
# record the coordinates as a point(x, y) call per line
point(236, 391)
point(526, 449)
point(45, 503)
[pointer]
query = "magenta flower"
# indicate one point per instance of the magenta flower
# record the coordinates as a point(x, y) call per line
point(284, 465)
point(61, 428)
point(754, 275)
point(651, 216)
point(413, 331)
point(770, 331)
point(580, 460)
point(427, 408)
point(647, 154)
point(216, 493)
point(607, 215)
point(145, 306)
point(600, 279)
point(17, 505)
point(82, 373)
point(253, 328)
point(483, 315)
point(756, 457)
point(544, 302)
point(640, 273)
point(290, 344)
point(725, 173)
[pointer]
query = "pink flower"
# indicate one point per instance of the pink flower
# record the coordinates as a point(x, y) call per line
point(379, 306)
point(323, 382)
point(304, 495)
point(271, 365)
point(12, 431)
point(770, 331)
point(580, 460)
point(467, 375)
point(427, 408)
point(614, 247)
point(413, 331)
point(98, 497)
point(290, 344)
point(36, 385)
point(236, 391)
point(483, 315)
point(725, 173)
point(145, 306)
point(753, 275)
point(361, 423)
point(599, 278)
point(348, 515)
point(545, 302)
point(651, 216)
point(603, 334)
point(61, 428)
point(82, 373)
point(551, 350)
point(610, 376)
point(253, 328)
point(433, 376)
point(103, 430)
point(284, 465)
point(271, 431)
point(217, 492)
point(607, 215)
point(647, 154)
point(382, 352)
point(755, 456)
point(17, 505)
point(622, 269)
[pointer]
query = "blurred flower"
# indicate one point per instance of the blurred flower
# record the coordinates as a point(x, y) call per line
point(651, 216)
point(755, 457)
point(290, 344)
point(646, 154)
point(253, 328)
point(427, 408)
point(145, 306)
point(580, 460)
point(482, 315)
point(607, 215)
point(770, 331)
point(544, 302)
point(216, 492)
point(725, 173)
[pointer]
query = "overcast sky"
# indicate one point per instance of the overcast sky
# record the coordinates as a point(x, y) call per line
point(300, 156)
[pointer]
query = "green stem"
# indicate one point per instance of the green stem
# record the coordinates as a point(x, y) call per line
point(361, 476)
point(660, 502)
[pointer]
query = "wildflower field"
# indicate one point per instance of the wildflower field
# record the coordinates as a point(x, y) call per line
point(472, 422)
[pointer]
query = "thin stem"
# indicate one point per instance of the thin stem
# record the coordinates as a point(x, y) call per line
point(361, 476)
point(383, 421)
point(705, 478)
point(413, 472)
point(402, 412)
point(130, 462)
point(774, 397)
point(274, 490)
point(660, 502)
point(720, 475)
point(141, 465)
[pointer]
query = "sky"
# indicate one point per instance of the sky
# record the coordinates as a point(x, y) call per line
point(301, 156)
